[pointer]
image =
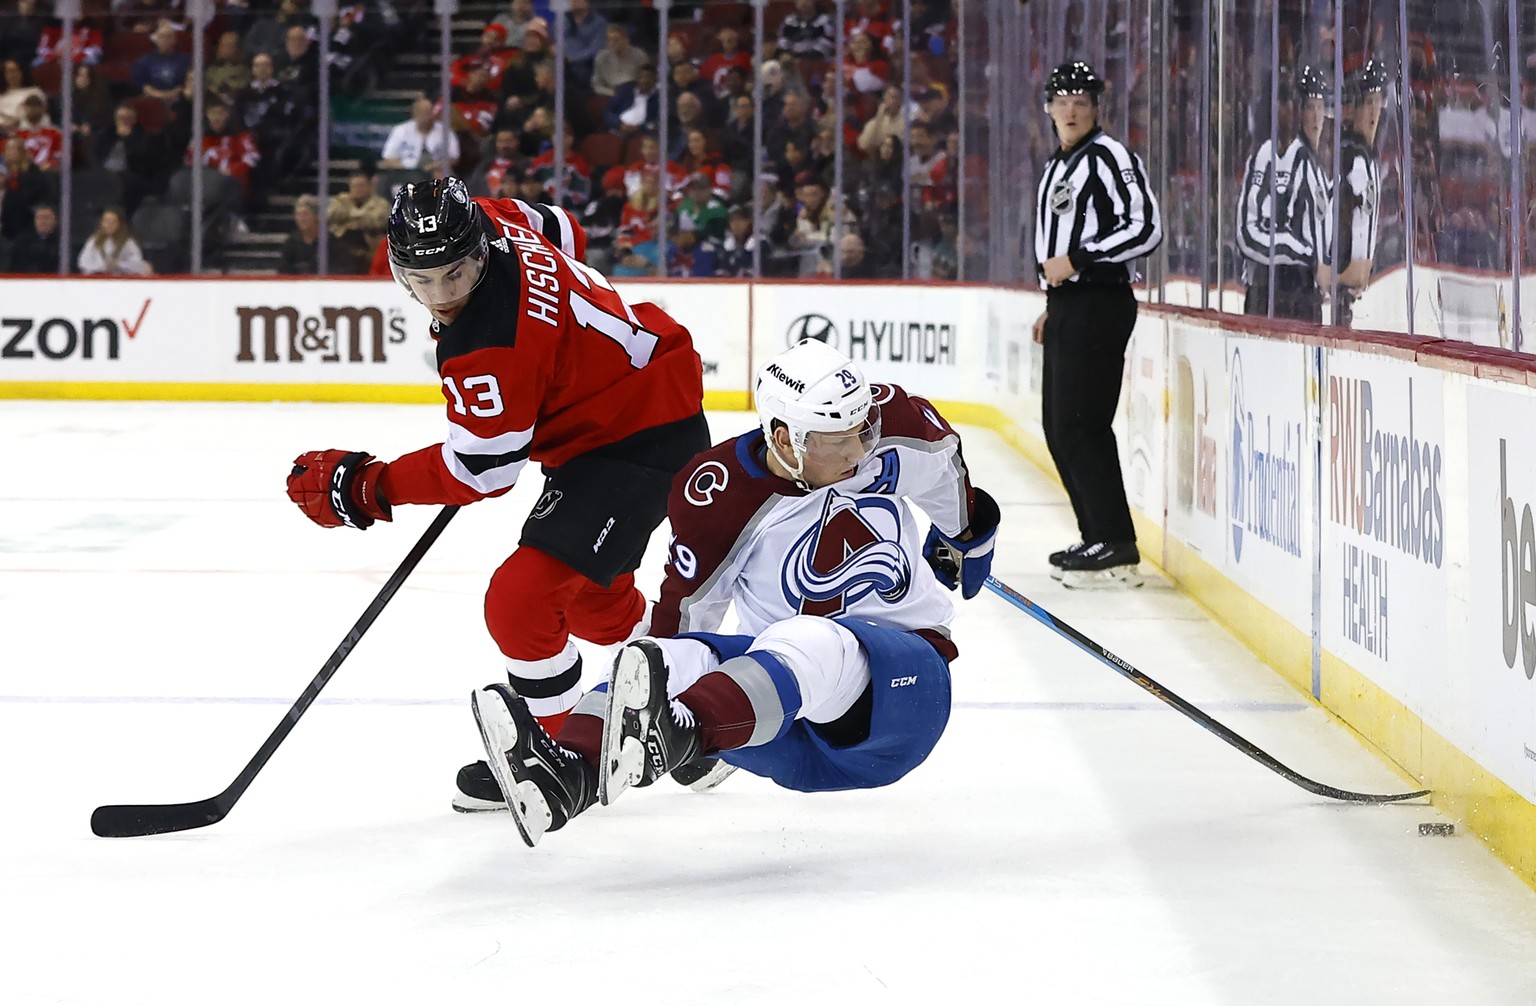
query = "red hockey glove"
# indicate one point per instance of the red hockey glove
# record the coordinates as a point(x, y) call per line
point(338, 487)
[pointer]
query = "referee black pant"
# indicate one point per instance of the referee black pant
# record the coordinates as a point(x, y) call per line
point(1086, 331)
point(1296, 294)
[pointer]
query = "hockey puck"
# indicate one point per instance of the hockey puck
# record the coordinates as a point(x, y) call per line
point(1436, 828)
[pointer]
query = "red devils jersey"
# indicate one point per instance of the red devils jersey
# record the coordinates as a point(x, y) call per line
point(545, 362)
point(743, 536)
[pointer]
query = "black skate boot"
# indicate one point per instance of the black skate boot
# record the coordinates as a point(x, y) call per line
point(1102, 564)
point(702, 774)
point(545, 784)
point(1057, 558)
point(645, 735)
point(477, 790)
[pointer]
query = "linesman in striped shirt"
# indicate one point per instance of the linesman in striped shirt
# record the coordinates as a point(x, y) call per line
point(1283, 220)
point(1359, 188)
point(1095, 215)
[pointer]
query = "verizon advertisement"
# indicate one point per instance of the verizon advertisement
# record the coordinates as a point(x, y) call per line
point(1384, 548)
point(296, 333)
point(1501, 593)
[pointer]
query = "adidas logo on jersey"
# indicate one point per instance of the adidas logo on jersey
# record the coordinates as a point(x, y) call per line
point(500, 244)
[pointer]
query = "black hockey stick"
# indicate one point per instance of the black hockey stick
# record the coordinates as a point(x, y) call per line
point(1125, 670)
point(128, 820)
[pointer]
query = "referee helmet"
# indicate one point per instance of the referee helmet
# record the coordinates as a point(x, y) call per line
point(1075, 77)
point(1310, 83)
point(1370, 78)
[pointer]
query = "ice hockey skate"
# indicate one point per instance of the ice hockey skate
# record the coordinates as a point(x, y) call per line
point(479, 793)
point(545, 784)
point(1102, 565)
point(1057, 558)
point(645, 735)
point(702, 774)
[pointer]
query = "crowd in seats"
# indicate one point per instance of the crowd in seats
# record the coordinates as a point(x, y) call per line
point(620, 182)
point(130, 129)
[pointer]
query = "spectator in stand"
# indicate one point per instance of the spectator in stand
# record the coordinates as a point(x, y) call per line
point(733, 252)
point(718, 64)
point(23, 187)
point(736, 139)
point(815, 223)
point(263, 108)
point(686, 80)
point(15, 88)
point(418, 144)
point(929, 165)
point(650, 163)
point(519, 80)
point(19, 32)
point(36, 250)
point(505, 157)
point(868, 17)
point(794, 126)
point(162, 73)
point(688, 116)
point(863, 67)
point(297, 68)
point(269, 34)
point(586, 33)
point(356, 218)
point(300, 255)
point(91, 109)
point(230, 70)
point(772, 72)
point(855, 261)
point(227, 148)
point(934, 112)
point(578, 175)
point(601, 219)
point(636, 106)
point(619, 63)
point(807, 32)
point(475, 105)
point(517, 21)
point(700, 211)
point(492, 55)
point(638, 221)
point(795, 160)
point(87, 44)
point(537, 130)
point(821, 159)
point(699, 159)
point(529, 189)
point(128, 151)
point(884, 123)
point(111, 250)
point(43, 140)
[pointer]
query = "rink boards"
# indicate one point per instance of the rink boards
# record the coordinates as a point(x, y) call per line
point(1359, 511)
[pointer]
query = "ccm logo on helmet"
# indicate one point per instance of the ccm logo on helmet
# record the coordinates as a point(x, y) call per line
point(430, 251)
point(785, 379)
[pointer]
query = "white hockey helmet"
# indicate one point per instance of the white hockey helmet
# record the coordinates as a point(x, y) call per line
point(812, 388)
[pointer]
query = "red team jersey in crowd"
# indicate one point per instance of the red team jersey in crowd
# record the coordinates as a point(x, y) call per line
point(854, 548)
point(45, 146)
point(544, 363)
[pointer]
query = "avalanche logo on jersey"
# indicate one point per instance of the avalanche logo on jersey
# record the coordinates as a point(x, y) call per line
point(852, 551)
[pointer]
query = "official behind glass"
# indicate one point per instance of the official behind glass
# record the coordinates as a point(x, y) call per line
point(1095, 215)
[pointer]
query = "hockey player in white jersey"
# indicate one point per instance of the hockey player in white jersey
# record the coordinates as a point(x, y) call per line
point(838, 674)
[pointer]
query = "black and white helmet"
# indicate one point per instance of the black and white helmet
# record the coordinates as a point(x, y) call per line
point(1370, 78)
point(1075, 77)
point(1311, 83)
point(435, 226)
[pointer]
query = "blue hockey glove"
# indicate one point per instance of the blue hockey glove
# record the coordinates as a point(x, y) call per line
point(965, 564)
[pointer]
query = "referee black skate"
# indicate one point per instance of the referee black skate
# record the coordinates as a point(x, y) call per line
point(1359, 187)
point(1095, 215)
point(1283, 212)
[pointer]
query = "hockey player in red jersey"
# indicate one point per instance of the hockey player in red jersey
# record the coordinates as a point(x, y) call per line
point(838, 677)
point(540, 360)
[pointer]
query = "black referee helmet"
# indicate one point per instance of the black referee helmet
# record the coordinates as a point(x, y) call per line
point(1370, 78)
point(1310, 83)
point(1075, 77)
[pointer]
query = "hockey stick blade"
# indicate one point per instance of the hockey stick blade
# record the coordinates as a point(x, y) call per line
point(1190, 710)
point(134, 820)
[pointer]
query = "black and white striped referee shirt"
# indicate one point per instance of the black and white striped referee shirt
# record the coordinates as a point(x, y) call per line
point(1359, 195)
point(1095, 206)
point(1298, 232)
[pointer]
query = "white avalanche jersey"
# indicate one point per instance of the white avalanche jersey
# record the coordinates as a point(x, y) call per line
point(854, 548)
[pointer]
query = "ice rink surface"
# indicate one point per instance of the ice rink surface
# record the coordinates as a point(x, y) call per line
point(1071, 840)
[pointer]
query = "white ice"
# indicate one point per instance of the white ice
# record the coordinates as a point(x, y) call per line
point(1071, 840)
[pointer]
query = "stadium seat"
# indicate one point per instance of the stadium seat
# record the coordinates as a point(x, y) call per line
point(602, 150)
point(162, 232)
point(154, 114)
point(47, 77)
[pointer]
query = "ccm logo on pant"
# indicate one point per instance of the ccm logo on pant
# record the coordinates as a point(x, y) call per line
point(903, 682)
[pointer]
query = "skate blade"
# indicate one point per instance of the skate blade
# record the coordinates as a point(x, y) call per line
point(1057, 573)
point(628, 691)
point(465, 804)
point(714, 777)
point(498, 731)
point(1115, 578)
